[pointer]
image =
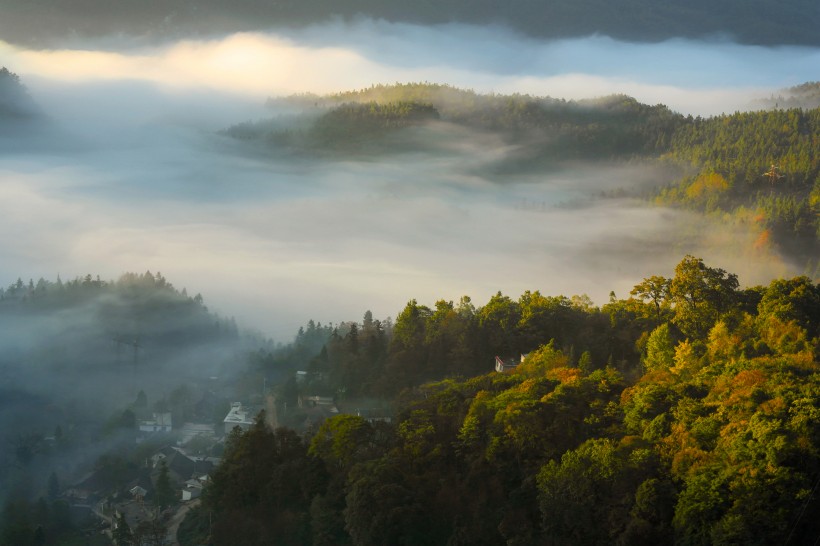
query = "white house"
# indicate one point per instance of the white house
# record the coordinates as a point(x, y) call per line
point(160, 423)
point(502, 365)
point(238, 417)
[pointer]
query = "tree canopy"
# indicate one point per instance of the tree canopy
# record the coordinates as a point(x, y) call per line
point(704, 433)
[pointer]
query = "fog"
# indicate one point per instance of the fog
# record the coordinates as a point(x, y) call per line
point(689, 76)
point(131, 175)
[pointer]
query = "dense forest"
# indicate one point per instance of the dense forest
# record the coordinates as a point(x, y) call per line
point(38, 22)
point(544, 129)
point(759, 168)
point(686, 413)
point(758, 165)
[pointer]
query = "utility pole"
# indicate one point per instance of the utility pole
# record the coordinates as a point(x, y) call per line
point(773, 174)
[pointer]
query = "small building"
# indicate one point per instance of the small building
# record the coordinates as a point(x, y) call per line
point(505, 365)
point(189, 431)
point(191, 493)
point(193, 488)
point(374, 416)
point(238, 417)
point(161, 422)
point(138, 493)
point(318, 401)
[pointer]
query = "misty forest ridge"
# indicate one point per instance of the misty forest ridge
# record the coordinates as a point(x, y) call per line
point(721, 162)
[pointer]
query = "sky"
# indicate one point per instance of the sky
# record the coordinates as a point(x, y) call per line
point(133, 176)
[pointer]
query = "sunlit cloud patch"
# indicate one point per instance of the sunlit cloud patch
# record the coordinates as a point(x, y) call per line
point(693, 77)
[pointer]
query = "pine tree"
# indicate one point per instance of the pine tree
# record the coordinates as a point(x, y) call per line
point(165, 492)
point(122, 533)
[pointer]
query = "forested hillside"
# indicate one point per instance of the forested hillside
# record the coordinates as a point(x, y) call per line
point(543, 129)
point(758, 165)
point(758, 169)
point(806, 95)
point(687, 413)
point(137, 311)
point(73, 353)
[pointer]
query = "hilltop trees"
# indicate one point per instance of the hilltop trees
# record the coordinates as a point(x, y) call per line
point(713, 440)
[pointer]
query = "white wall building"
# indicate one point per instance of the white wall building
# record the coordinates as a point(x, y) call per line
point(238, 417)
point(160, 423)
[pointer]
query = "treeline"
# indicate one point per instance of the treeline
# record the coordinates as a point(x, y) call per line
point(38, 22)
point(134, 309)
point(346, 128)
point(546, 130)
point(806, 95)
point(15, 103)
point(378, 359)
point(711, 436)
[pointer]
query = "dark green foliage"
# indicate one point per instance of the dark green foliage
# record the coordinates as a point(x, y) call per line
point(545, 131)
point(164, 494)
point(382, 507)
point(353, 124)
point(263, 490)
point(122, 533)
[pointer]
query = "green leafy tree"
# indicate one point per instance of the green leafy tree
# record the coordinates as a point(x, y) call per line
point(655, 289)
point(341, 439)
point(660, 349)
point(573, 494)
point(701, 294)
point(383, 509)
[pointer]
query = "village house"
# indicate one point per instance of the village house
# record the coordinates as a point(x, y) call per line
point(316, 409)
point(374, 416)
point(193, 488)
point(238, 417)
point(161, 422)
point(189, 431)
point(505, 365)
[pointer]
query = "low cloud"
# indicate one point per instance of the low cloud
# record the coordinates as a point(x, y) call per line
point(692, 77)
point(137, 179)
